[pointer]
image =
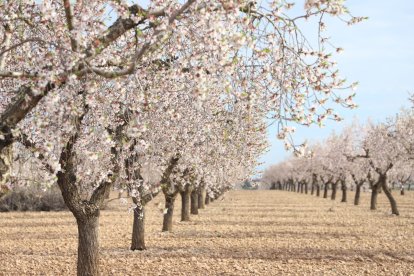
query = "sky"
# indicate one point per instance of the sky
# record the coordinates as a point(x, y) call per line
point(379, 54)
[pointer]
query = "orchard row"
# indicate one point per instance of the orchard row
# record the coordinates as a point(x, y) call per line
point(375, 156)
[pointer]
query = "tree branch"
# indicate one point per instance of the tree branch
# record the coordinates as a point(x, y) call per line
point(24, 140)
point(69, 21)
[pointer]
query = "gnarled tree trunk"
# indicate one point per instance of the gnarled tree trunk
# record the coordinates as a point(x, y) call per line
point(6, 156)
point(88, 245)
point(168, 212)
point(138, 229)
point(391, 199)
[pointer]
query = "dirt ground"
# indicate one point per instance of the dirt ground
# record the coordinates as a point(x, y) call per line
point(244, 233)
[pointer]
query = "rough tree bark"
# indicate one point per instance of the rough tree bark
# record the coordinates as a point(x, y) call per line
point(170, 193)
point(374, 195)
point(194, 202)
point(391, 199)
point(168, 212)
point(138, 229)
point(88, 244)
point(185, 203)
point(6, 157)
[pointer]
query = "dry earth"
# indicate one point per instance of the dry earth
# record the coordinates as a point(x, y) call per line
point(244, 233)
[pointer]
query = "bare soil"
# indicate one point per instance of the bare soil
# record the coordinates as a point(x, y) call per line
point(243, 233)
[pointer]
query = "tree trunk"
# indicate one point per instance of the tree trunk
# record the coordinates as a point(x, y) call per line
point(6, 157)
point(185, 204)
point(194, 202)
point(344, 194)
point(393, 202)
point(318, 190)
point(138, 229)
point(409, 187)
point(334, 189)
point(357, 194)
point(302, 185)
point(374, 196)
point(312, 188)
point(168, 212)
point(202, 199)
point(306, 188)
point(402, 190)
point(298, 188)
point(88, 246)
point(325, 191)
point(207, 202)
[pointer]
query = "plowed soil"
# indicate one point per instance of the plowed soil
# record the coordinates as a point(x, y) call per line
point(242, 233)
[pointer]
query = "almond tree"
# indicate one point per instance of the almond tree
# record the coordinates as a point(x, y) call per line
point(360, 174)
point(383, 152)
point(401, 175)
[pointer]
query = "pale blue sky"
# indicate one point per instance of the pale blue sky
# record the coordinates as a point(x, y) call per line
point(379, 53)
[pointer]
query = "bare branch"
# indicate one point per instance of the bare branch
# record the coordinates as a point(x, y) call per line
point(19, 75)
point(33, 39)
